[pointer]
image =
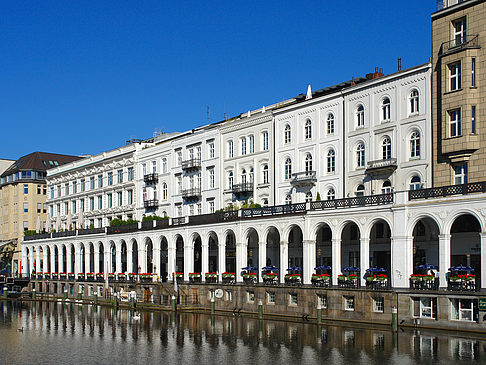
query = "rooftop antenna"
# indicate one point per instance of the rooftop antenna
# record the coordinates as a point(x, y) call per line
point(399, 63)
point(207, 113)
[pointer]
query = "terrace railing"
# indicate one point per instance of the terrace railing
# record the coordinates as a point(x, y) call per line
point(357, 201)
point(274, 210)
point(463, 189)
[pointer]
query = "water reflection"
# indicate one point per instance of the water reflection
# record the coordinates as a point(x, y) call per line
point(71, 333)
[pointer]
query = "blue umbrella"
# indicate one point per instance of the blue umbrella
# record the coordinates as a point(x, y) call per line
point(322, 268)
point(294, 268)
point(427, 267)
point(351, 269)
point(376, 269)
point(461, 268)
point(270, 268)
point(248, 268)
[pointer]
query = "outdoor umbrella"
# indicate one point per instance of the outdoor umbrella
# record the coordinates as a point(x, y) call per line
point(38, 226)
point(69, 221)
point(376, 269)
point(81, 220)
point(322, 268)
point(48, 223)
point(294, 268)
point(461, 268)
point(270, 268)
point(248, 268)
point(427, 267)
point(58, 223)
point(351, 269)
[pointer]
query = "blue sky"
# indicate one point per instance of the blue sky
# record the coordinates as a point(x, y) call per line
point(82, 77)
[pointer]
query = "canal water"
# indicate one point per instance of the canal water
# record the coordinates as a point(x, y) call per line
point(57, 333)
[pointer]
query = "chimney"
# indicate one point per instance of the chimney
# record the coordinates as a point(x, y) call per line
point(353, 82)
point(378, 73)
point(399, 64)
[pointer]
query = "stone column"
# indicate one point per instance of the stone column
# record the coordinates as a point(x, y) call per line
point(60, 258)
point(205, 261)
point(69, 252)
point(118, 259)
point(171, 260)
point(31, 260)
point(96, 257)
point(444, 258)
point(309, 260)
point(37, 260)
point(222, 258)
point(130, 267)
point(53, 267)
point(156, 259)
point(77, 259)
point(188, 260)
point(262, 259)
point(142, 257)
point(284, 260)
point(483, 259)
point(364, 257)
point(45, 259)
point(401, 261)
point(241, 258)
point(87, 259)
point(24, 267)
point(336, 259)
point(107, 258)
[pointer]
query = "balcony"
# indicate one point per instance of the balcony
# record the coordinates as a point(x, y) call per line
point(217, 217)
point(151, 204)
point(304, 178)
point(455, 45)
point(274, 210)
point(357, 201)
point(192, 193)
point(192, 164)
point(381, 166)
point(150, 178)
point(464, 189)
point(443, 4)
point(243, 188)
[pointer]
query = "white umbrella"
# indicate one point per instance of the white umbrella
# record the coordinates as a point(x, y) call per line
point(81, 220)
point(48, 223)
point(38, 226)
point(58, 223)
point(69, 221)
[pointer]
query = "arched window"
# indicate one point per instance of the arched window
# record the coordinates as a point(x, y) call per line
point(308, 162)
point(164, 214)
point(414, 101)
point(287, 134)
point(164, 165)
point(265, 174)
point(288, 168)
point(360, 155)
point(243, 176)
point(288, 199)
point(243, 146)
point(251, 175)
point(386, 188)
point(415, 144)
point(415, 183)
point(230, 180)
point(330, 124)
point(308, 129)
point(164, 191)
point(360, 190)
point(386, 148)
point(265, 202)
point(331, 161)
point(360, 114)
point(308, 197)
point(331, 194)
point(230, 149)
point(385, 110)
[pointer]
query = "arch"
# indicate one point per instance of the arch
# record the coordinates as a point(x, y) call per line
point(272, 239)
point(308, 162)
point(414, 101)
point(380, 244)
point(413, 221)
point(360, 154)
point(308, 129)
point(386, 148)
point(164, 258)
point(179, 241)
point(287, 134)
point(323, 235)
point(124, 256)
point(101, 253)
point(385, 109)
point(296, 246)
point(252, 247)
point(330, 124)
point(288, 168)
point(425, 234)
point(213, 247)
point(112, 266)
point(414, 144)
point(197, 249)
point(91, 259)
point(230, 249)
point(135, 261)
point(149, 255)
point(331, 161)
point(359, 115)
point(55, 249)
point(466, 241)
point(350, 244)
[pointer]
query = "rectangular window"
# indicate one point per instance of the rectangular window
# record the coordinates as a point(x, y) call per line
point(100, 202)
point(378, 304)
point(230, 149)
point(26, 226)
point(191, 209)
point(91, 203)
point(459, 31)
point(39, 190)
point(211, 150)
point(75, 188)
point(271, 297)
point(199, 208)
point(428, 308)
point(26, 189)
point(44, 208)
point(92, 183)
point(39, 207)
point(322, 300)
point(120, 198)
point(82, 185)
point(26, 207)
point(110, 178)
point(211, 178)
point(110, 200)
point(265, 141)
point(460, 174)
point(473, 72)
point(120, 176)
point(44, 190)
point(293, 299)
point(73, 207)
point(211, 207)
point(130, 197)
point(179, 158)
point(251, 296)
point(455, 76)
point(455, 123)
point(473, 119)
point(349, 303)
point(81, 203)
point(463, 309)
point(130, 173)
point(229, 295)
point(100, 181)
point(66, 207)
point(252, 144)
point(59, 190)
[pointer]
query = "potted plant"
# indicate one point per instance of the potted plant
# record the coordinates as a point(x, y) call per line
point(90, 276)
point(39, 275)
point(195, 277)
point(47, 275)
point(178, 275)
point(121, 276)
point(228, 277)
point(211, 277)
point(70, 275)
point(132, 276)
point(62, 275)
point(99, 276)
point(111, 276)
point(54, 275)
point(145, 277)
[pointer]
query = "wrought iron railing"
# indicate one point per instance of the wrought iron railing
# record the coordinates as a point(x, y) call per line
point(274, 210)
point(242, 188)
point(217, 217)
point(191, 193)
point(162, 223)
point(122, 229)
point(457, 44)
point(63, 234)
point(150, 178)
point(82, 232)
point(150, 204)
point(37, 237)
point(479, 187)
point(304, 177)
point(193, 163)
point(357, 201)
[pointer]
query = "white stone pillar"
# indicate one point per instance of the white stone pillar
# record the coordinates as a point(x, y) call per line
point(31, 260)
point(284, 260)
point(53, 267)
point(262, 259)
point(107, 259)
point(188, 260)
point(142, 257)
point(45, 259)
point(60, 258)
point(444, 258)
point(171, 261)
point(241, 258)
point(69, 254)
point(222, 258)
point(37, 260)
point(118, 258)
point(130, 267)
point(401, 261)
point(24, 264)
point(205, 261)
point(77, 259)
point(96, 257)
point(309, 260)
point(364, 257)
point(87, 259)
point(156, 259)
point(336, 260)
point(483, 259)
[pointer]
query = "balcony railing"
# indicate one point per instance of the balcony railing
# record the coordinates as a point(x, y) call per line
point(151, 178)
point(192, 164)
point(63, 234)
point(151, 204)
point(273, 210)
point(191, 193)
point(460, 43)
point(217, 217)
point(389, 164)
point(37, 237)
point(178, 221)
point(82, 232)
point(304, 178)
point(357, 201)
point(479, 187)
point(122, 229)
point(242, 188)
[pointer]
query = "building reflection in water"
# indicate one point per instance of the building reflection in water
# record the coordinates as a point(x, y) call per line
point(209, 339)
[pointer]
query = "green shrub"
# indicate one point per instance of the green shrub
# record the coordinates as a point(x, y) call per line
point(30, 232)
point(150, 218)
